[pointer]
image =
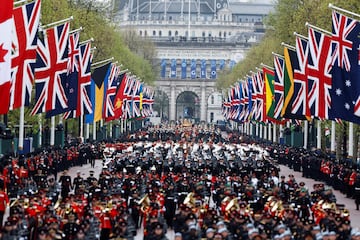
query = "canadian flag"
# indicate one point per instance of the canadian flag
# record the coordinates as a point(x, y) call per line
point(5, 54)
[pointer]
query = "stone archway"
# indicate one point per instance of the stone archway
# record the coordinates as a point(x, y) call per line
point(188, 106)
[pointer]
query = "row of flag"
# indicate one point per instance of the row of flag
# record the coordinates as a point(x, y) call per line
point(317, 78)
point(197, 69)
point(60, 66)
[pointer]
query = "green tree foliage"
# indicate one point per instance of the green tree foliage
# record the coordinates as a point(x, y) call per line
point(289, 16)
point(107, 39)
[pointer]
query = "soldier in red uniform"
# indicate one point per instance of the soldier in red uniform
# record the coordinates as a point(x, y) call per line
point(105, 225)
point(4, 201)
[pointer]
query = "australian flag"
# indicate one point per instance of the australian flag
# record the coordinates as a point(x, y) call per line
point(203, 69)
point(213, 69)
point(345, 91)
point(163, 68)
point(193, 69)
point(183, 69)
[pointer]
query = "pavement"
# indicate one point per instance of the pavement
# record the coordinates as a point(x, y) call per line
point(284, 170)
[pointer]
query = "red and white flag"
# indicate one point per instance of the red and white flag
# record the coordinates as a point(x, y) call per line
point(6, 24)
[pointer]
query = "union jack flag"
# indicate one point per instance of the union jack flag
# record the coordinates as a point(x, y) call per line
point(137, 99)
point(260, 114)
point(345, 91)
point(226, 106)
point(127, 101)
point(254, 91)
point(244, 101)
point(148, 101)
point(319, 76)
point(50, 74)
point(108, 110)
point(300, 105)
point(235, 102)
point(278, 86)
point(24, 42)
point(83, 102)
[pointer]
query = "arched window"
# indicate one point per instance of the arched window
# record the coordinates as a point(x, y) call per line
point(169, 33)
point(220, 34)
point(212, 99)
point(203, 34)
point(140, 33)
point(176, 33)
point(145, 33)
point(154, 33)
point(160, 33)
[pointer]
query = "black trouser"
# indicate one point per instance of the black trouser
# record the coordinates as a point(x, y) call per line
point(105, 234)
point(1, 218)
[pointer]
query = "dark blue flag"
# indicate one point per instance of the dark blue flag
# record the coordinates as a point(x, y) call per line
point(222, 64)
point(193, 69)
point(203, 69)
point(163, 68)
point(213, 69)
point(345, 90)
point(183, 69)
point(173, 68)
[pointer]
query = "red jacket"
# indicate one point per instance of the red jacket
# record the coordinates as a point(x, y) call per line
point(4, 200)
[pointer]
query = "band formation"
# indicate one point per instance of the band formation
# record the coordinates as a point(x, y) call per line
point(197, 182)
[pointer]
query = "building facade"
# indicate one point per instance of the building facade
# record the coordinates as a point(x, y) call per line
point(195, 40)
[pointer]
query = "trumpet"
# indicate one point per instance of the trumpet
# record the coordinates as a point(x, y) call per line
point(233, 204)
point(189, 200)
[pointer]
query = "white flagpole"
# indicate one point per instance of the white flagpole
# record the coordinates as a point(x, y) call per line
point(257, 129)
point(306, 133)
point(274, 132)
point(343, 10)
point(40, 130)
point(82, 127)
point(110, 132)
point(333, 130)
point(251, 129)
point(269, 134)
point(281, 132)
point(318, 142)
point(317, 28)
point(87, 132)
point(94, 131)
point(265, 132)
point(52, 131)
point(261, 131)
point(351, 139)
point(44, 27)
point(21, 129)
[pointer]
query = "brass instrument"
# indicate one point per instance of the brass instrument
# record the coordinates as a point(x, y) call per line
point(189, 200)
point(233, 204)
point(144, 202)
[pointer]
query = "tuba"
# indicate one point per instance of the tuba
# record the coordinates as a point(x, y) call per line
point(144, 202)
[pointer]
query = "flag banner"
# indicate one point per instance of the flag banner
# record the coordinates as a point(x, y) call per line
point(173, 68)
point(183, 68)
point(290, 62)
point(193, 69)
point(251, 97)
point(278, 86)
point(98, 79)
point(51, 71)
point(226, 106)
point(137, 99)
point(23, 59)
point(244, 101)
point(253, 88)
point(319, 76)
point(6, 28)
point(203, 69)
point(119, 97)
point(213, 69)
point(148, 101)
point(345, 92)
point(269, 80)
point(128, 93)
point(83, 100)
point(110, 92)
point(72, 71)
point(260, 114)
point(299, 101)
point(222, 64)
point(163, 68)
